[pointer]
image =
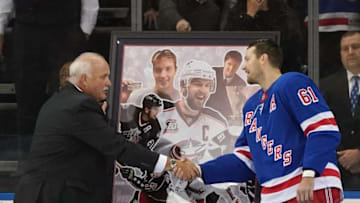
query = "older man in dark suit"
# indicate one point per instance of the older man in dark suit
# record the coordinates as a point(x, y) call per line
point(341, 91)
point(73, 146)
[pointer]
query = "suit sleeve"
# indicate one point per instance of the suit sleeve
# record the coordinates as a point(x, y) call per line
point(308, 107)
point(91, 127)
point(235, 167)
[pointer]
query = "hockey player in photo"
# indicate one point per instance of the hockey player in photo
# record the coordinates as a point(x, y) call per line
point(140, 125)
point(289, 137)
point(193, 131)
point(164, 71)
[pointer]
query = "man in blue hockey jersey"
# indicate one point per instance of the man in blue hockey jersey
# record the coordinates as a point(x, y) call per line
point(289, 136)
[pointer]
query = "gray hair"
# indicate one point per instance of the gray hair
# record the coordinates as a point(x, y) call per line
point(82, 65)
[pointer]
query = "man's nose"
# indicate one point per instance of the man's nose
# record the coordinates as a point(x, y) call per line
point(108, 82)
point(163, 73)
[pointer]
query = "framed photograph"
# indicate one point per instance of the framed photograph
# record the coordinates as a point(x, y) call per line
point(180, 94)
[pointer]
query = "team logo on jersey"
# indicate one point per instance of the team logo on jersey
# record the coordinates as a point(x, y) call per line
point(192, 149)
point(253, 126)
point(270, 149)
point(259, 108)
point(248, 117)
point(272, 104)
point(171, 126)
point(133, 134)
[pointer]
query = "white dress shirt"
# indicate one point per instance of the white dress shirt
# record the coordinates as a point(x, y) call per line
point(89, 11)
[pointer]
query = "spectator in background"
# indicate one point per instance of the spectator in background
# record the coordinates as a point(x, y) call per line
point(341, 91)
point(225, 6)
point(64, 74)
point(188, 15)
point(335, 18)
point(46, 34)
point(151, 14)
point(272, 15)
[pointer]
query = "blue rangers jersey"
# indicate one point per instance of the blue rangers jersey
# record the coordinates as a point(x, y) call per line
point(287, 129)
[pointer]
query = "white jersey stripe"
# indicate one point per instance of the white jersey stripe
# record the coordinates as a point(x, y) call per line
point(290, 192)
point(244, 157)
point(276, 181)
point(325, 128)
point(315, 119)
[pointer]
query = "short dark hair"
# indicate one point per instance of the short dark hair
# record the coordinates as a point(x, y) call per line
point(163, 53)
point(349, 33)
point(269, 47)
point(234, 55)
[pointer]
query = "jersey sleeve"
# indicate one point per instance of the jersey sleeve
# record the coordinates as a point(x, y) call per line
point(235, 167)
point(306, 104)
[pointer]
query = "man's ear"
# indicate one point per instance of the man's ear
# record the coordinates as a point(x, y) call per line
point(83, 79)
point(263, 58)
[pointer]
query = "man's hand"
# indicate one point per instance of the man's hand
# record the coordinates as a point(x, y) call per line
point(183, 26)
point(254, 6)
point(305, 191)
point(349, 159)
point(1, 44)
point(150, 19)
point(125, 90)
point(184, 169)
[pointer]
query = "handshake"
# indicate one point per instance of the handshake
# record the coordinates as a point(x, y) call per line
point(183, 169)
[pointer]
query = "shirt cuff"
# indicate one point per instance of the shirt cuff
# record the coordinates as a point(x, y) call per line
point(87, 28)
point(160, 164)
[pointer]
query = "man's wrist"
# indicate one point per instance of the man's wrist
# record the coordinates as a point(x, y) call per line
point(308, 174)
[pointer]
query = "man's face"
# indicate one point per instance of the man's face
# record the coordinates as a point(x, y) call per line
point(164, 70)
point(252, 66)
point(98, 83)
point(230, 67)
point(151, 113)
point(350, 53)
point(198, 92)
point(154, 112)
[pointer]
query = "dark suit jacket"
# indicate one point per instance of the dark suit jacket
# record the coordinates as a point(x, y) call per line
point(72, 148)
point(219, 100)
point(336, 92)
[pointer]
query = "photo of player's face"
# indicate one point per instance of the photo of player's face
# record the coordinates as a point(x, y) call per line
point(230, 67)
point(198, 92)
point(252, 66)
point(164, 70)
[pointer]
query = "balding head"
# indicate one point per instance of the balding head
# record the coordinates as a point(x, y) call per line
point(90, 72)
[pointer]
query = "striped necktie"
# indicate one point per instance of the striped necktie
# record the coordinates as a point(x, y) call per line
point(354, 94)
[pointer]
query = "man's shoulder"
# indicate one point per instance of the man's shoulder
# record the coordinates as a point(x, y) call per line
point(214, 114)
point(70, 97)
point(329, 80)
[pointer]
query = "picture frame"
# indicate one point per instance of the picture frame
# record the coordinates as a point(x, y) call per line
point(132, 58)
